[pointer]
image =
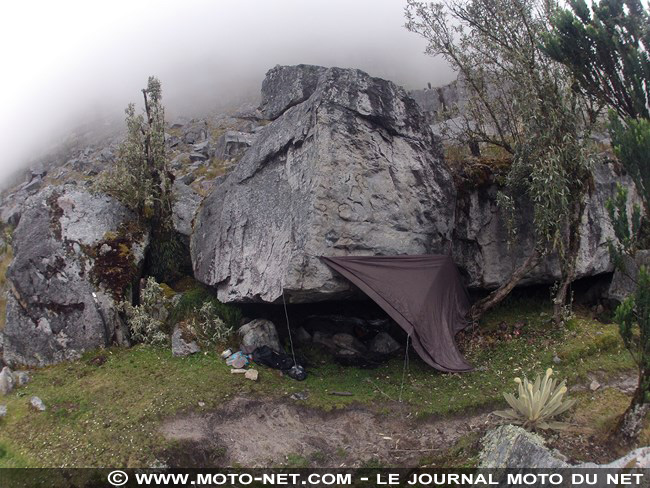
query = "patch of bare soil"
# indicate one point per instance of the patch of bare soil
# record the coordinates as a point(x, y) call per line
point(255, 433)
point(271, 432)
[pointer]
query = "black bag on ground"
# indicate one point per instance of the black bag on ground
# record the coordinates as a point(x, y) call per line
point(268, 357)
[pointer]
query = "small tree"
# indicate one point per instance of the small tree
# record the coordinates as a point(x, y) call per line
point(142, 181)
point(141, 178)
point(606, 45)
point(633, 317)
point(633, 314)
point(147, 320)
point(522, 101)
point(631, 142)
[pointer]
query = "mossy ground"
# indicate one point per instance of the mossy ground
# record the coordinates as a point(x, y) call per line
point(105, 409)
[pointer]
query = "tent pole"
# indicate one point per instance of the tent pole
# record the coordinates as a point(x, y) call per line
point(406, 360)
point(286, 314)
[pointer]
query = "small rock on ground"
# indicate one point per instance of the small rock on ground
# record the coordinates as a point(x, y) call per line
point(299, 395)
point(383, 343)
point(22, 378)
point(594, 385)
point(37, 404)
point(7, 381)
point(181, 347)
point(258, 333)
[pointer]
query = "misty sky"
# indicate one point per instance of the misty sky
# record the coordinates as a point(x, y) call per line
point(70, 60)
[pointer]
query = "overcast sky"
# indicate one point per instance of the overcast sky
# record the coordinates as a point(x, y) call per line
point(63, 60)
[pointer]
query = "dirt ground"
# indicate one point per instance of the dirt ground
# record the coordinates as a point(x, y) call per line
point(270, 432)
point(255, 433)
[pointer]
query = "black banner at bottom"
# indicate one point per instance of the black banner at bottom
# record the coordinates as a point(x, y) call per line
point(384, 477)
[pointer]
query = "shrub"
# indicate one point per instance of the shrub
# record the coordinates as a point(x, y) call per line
point(141, 178)
point(207, 326)
point(194, 299)
point(538, 403)
point(147, 321)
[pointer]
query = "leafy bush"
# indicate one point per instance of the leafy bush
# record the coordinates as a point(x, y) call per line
point(141, 178)
point(194, 299)
point(147, 320)
point(631, 144)
point(207, 326)
point(538, 403)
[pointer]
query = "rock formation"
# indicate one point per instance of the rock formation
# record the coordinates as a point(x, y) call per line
point(186, 202)
point(333, 162)
point(481, 246)
point(347, 166)
point(75, 255)
point(512, 447)
point(624, 283)
point(436, 103)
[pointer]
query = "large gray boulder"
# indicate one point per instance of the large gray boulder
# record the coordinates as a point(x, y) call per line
point(258, 333)
point(286, 86)
point(232, 144)
point(75, 253)
point(186, 203)
point(481, 246)
point(509, 446)
point(624, 281)
point(351, 169)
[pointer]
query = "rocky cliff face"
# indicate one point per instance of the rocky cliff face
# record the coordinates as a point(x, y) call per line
point(624, 283)
point(334, 162)
point(75, 253)
point(348, 166)
point(437, 102)
point(482, 249)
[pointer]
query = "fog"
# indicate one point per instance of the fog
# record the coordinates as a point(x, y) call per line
point(68, 61)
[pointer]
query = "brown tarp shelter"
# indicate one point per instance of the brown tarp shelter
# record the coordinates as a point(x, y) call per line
point(423, 294)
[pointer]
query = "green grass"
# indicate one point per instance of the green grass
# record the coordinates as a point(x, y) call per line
point(109, 415)
point(195, 297)
point(599, 410)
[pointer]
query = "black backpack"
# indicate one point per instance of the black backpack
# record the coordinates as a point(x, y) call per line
point(268, 357)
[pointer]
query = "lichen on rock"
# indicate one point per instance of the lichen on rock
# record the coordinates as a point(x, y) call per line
point(64, 279)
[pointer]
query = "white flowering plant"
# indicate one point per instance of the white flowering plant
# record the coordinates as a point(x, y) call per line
point(538, 403)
